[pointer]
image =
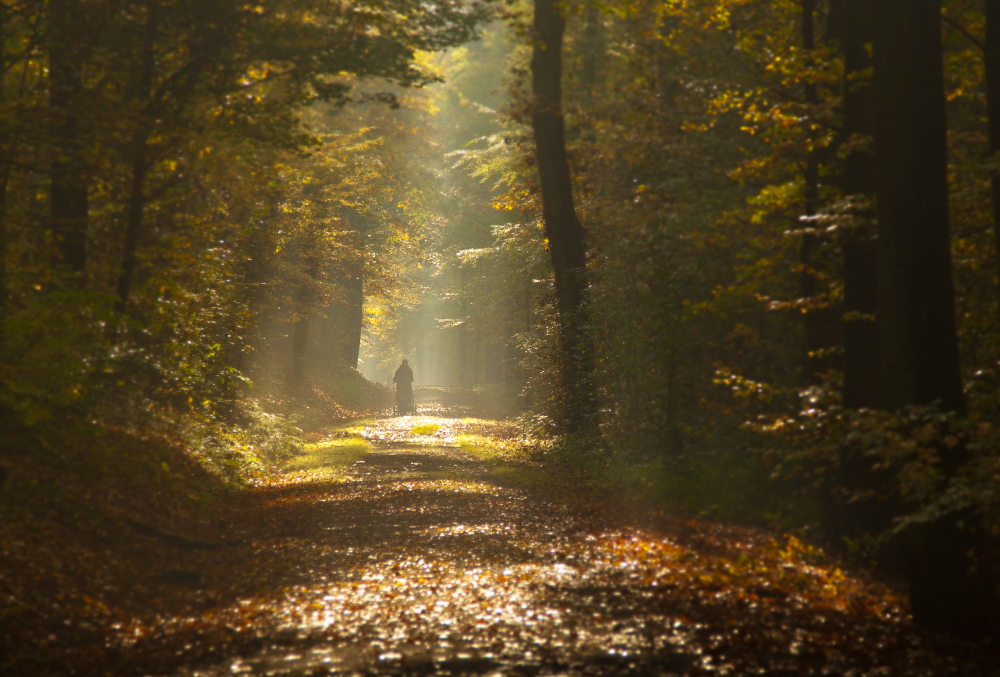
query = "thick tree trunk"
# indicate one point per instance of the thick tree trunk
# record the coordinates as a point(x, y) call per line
point(353, 315)
point(862, 359)
point(992, 63)
point(949, 589)
point(844, 516)
point(919, 345)
point(69, 206)
point(140, 156)
point(562, 226)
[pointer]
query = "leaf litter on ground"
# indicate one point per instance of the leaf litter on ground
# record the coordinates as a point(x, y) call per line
point(417, 559)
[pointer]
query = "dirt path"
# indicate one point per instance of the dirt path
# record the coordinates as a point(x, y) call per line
point(434, 567)
point(418, 560)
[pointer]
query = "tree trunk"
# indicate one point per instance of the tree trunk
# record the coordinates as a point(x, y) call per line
point(591, 48)
point(353, 316)
point(992, 64)
point(69, 206)
point(919, 345)
point(845, 516)
point(353, 313)
point(300, 344)
point(949, 590)
point(563, 229)
point(140, 156)
point(6, 138)
point(303, 308)
point(862, 360)
point(463, 345)
point(807, 277)
point(589, 75)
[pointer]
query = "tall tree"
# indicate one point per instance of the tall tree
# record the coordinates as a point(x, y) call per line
point(144, 73)
point(949, 590)
point(563, 229)
point(68, 200)
point(857, 503)
point(353, 315)
point(992, 64)
point(348, 313)
point(810, 204)
point(861, 347)
point(304, 309)
point(5, 167)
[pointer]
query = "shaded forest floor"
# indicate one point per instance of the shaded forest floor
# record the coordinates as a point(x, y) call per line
point(431, 545)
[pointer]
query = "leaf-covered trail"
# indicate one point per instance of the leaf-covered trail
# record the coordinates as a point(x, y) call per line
point(418, 560)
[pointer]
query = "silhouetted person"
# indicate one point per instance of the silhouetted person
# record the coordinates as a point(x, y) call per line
point(403, 378)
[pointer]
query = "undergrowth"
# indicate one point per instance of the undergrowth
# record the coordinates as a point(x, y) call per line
point(733, 485)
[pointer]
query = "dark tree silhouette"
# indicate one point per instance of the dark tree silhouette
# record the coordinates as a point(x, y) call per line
point(145, 70)
point(992, 65)
point(845, 515)
point(949, 590)
point(69, 204)
point(811, 367)
point(563, 229)
point(861, 363)
point(6, 151)
point(353, 316)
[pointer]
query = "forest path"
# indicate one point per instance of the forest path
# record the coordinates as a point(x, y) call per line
point(417, 559)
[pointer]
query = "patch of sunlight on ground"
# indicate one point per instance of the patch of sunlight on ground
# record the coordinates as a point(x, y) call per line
point(463, 486)
point(426, 429)
point(330, 455)
point(355, 426)
point(489, 449)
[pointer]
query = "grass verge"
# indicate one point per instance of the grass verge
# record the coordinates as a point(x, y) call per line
point(325, 460)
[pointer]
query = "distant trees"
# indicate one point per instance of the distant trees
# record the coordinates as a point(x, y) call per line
point(151, 151)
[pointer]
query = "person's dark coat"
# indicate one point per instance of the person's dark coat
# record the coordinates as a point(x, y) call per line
point(403, 378)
